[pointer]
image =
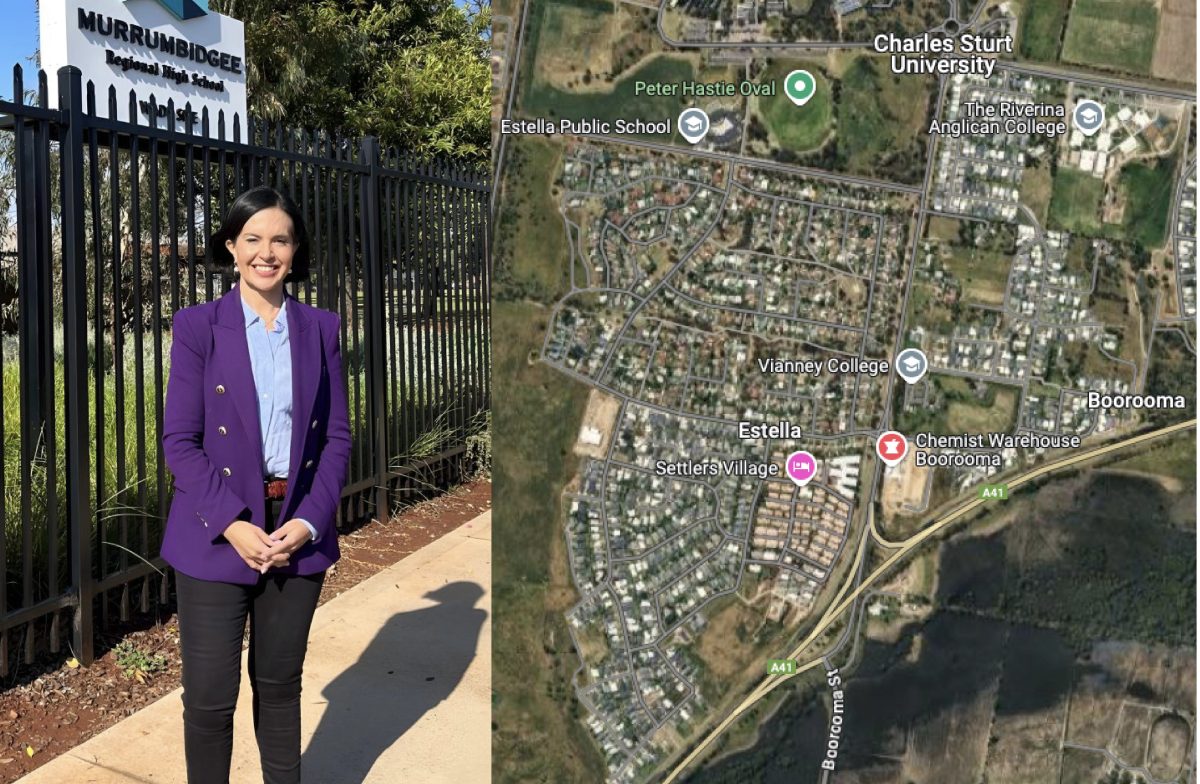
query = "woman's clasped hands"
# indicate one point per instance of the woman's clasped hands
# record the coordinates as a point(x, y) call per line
point(262, 551)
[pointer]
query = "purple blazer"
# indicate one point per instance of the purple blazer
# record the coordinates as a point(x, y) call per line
point(211, 440)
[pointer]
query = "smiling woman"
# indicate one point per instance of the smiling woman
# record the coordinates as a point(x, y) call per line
point(256, 433)
point(262, 253)
point(263, 238)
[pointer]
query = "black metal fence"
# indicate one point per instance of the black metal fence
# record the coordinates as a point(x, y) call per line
point(105, 226)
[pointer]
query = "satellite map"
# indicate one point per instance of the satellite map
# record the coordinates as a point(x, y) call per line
point(845, 360)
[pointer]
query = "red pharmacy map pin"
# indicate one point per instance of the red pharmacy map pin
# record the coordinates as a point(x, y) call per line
point(891, 447)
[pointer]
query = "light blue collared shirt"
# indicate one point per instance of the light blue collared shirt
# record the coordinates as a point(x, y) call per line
point(271, 364)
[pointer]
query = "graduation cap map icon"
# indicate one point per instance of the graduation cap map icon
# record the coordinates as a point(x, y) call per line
point(1088, 117)
point(693, 124)
point(911, 364)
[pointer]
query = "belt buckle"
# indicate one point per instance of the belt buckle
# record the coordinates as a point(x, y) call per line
point(274, 488)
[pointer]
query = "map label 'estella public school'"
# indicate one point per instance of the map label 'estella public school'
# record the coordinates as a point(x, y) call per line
point(640, 127)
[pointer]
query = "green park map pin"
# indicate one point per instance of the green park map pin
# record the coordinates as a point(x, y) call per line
point(800, 86)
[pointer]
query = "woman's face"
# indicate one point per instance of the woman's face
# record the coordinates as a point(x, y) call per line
point(263, 250)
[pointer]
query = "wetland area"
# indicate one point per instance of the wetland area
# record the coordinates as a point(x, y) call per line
point(1073, 604)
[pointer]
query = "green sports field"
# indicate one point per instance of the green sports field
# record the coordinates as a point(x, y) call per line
point(796, 128)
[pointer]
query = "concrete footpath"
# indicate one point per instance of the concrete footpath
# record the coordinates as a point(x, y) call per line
point(397, 686)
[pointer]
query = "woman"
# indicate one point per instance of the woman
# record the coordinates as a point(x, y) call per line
point(256, 432)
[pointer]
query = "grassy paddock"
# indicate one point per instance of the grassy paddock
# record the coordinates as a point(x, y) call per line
point(545, 35)
point(1174, 457)
point(532, 251)
point(573, 37)
point(881, 120)
point(1041, 27)
point(1112, 34)
point(970, 408)
point(1037, 186)
point(982, 273)
point(618, 102)
point(1148, 190)
point(1075, 202)
point(536, 736)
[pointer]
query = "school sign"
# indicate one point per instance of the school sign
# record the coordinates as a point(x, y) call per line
point(169, 49)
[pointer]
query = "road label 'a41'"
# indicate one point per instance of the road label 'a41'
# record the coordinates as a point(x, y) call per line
point(781, 667)
point(994, 492)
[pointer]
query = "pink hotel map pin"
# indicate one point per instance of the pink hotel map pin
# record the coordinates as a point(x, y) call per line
point(801, 467)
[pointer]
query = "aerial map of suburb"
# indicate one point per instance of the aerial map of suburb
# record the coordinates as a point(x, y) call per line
point(845, 391)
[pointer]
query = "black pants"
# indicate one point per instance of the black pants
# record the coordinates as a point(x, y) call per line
point(212, 618)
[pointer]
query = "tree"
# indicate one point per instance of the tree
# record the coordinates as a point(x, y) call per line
point(414, 74)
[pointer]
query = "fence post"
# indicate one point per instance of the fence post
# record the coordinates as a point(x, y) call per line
point(486, 234)
point(36, 346)
point(373, 305)
point(75, 358)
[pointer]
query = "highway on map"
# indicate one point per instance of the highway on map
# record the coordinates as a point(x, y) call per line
point(840, 605)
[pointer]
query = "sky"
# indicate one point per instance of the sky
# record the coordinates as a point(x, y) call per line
point(18, 40)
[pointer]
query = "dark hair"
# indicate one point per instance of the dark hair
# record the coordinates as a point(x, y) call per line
point(243, 208)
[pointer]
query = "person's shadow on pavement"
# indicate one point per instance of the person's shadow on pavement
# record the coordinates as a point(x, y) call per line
point(415, 661)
